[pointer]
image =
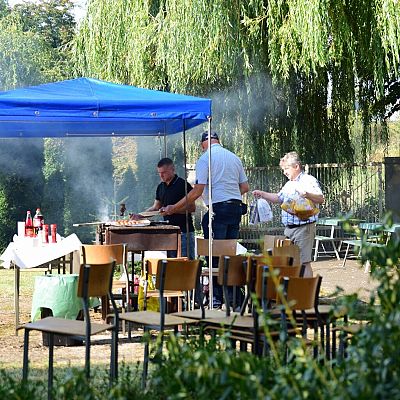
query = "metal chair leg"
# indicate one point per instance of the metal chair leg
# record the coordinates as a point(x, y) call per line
point(87, 357)
point(51, 359)
point(345, 256)
point(26, 361)
point(328, 340)
point(114, 355)
point(316, 250)
point(145, 364)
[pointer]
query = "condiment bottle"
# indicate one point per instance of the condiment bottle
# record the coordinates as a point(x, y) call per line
point(38, 221)
point(29, 229)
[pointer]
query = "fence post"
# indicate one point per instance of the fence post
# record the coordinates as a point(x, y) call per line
point(392, 184)
point(380, 193)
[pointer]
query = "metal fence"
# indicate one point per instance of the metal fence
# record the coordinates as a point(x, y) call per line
point(356, 189)
point(349, 189)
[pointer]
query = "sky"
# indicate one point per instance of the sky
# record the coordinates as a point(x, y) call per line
point(79, 11)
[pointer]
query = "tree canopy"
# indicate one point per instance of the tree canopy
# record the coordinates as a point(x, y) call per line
point(284, 74)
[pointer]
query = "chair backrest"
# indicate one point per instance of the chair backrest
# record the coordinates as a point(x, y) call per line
point(102, 253)
point(281, 271)
point(288, 251)
point(302, 293)
point(220, 247)
point(270, 241)
point(151, 264)
point(178, 274)
point(235, 272)
point(283, 242)
point(99, 279)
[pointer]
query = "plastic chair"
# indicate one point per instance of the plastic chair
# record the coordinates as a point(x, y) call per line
point(332, 223)
point(95, 280)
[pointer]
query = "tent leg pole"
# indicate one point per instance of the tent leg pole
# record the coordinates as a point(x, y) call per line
point(187, 204)
point(210, 217)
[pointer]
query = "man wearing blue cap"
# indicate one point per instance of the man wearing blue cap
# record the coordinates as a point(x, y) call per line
point(229, 183)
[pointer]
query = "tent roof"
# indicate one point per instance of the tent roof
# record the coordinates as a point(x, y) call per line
point(90, 107)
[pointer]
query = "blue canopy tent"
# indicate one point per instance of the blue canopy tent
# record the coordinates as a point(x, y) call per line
point(88, 107)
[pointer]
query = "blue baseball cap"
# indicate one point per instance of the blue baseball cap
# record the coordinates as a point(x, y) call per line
point(204, 136)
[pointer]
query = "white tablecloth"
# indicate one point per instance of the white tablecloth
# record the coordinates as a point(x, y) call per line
point(30, 253)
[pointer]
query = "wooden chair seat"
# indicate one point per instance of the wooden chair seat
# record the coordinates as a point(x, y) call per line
point(152, 319)
point(62, 326)
point(196, 314)
point(235, 320)
point(167, 293)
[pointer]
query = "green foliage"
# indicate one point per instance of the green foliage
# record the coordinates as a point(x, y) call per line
point(51, 19)
point(21, 182)
point(4, 10)
point(54, 187)
point(28, 58)
point(25, 58)
point(14, 389)
point(323, 57)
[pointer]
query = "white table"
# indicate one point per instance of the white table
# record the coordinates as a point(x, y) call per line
point(27, 253)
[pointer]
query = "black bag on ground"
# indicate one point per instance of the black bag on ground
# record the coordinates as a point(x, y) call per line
point(60, 340)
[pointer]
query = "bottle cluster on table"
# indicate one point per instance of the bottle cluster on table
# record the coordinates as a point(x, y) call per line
point(36, 228)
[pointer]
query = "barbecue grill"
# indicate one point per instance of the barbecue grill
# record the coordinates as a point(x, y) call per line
point(139, 237)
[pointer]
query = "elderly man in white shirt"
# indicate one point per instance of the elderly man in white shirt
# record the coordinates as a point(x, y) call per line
point(301, 232)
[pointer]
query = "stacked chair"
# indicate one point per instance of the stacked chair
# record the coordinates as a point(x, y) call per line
point(322, 314)
point(231, 273)
point(244, 328)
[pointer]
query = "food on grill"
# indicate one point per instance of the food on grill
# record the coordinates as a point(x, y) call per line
point(124, 222)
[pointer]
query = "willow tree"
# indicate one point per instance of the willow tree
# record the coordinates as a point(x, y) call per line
point(283, 74)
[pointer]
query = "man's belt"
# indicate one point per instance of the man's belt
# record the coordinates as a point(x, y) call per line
point(231, 201)
point(298, 225)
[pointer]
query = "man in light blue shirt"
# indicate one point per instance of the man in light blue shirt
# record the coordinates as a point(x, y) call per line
point(229, 183)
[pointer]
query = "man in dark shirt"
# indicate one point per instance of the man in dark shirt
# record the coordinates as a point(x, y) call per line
point(170, 191)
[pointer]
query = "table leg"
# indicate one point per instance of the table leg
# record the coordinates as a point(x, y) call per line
point(16, 297)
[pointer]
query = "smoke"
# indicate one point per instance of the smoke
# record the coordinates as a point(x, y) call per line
point(22, 157)
point(245, 104)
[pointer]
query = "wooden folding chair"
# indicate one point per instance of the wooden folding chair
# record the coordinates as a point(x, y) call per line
point(220, 247)
point(231, 272)
point(176, 275)
point(103, 253)
point(288, 250)
point(150, 270)
point(95, 280)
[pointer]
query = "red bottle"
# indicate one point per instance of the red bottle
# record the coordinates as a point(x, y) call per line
point(29, 229)
point(38, 221)
point(45, 233)
point(53, 232)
